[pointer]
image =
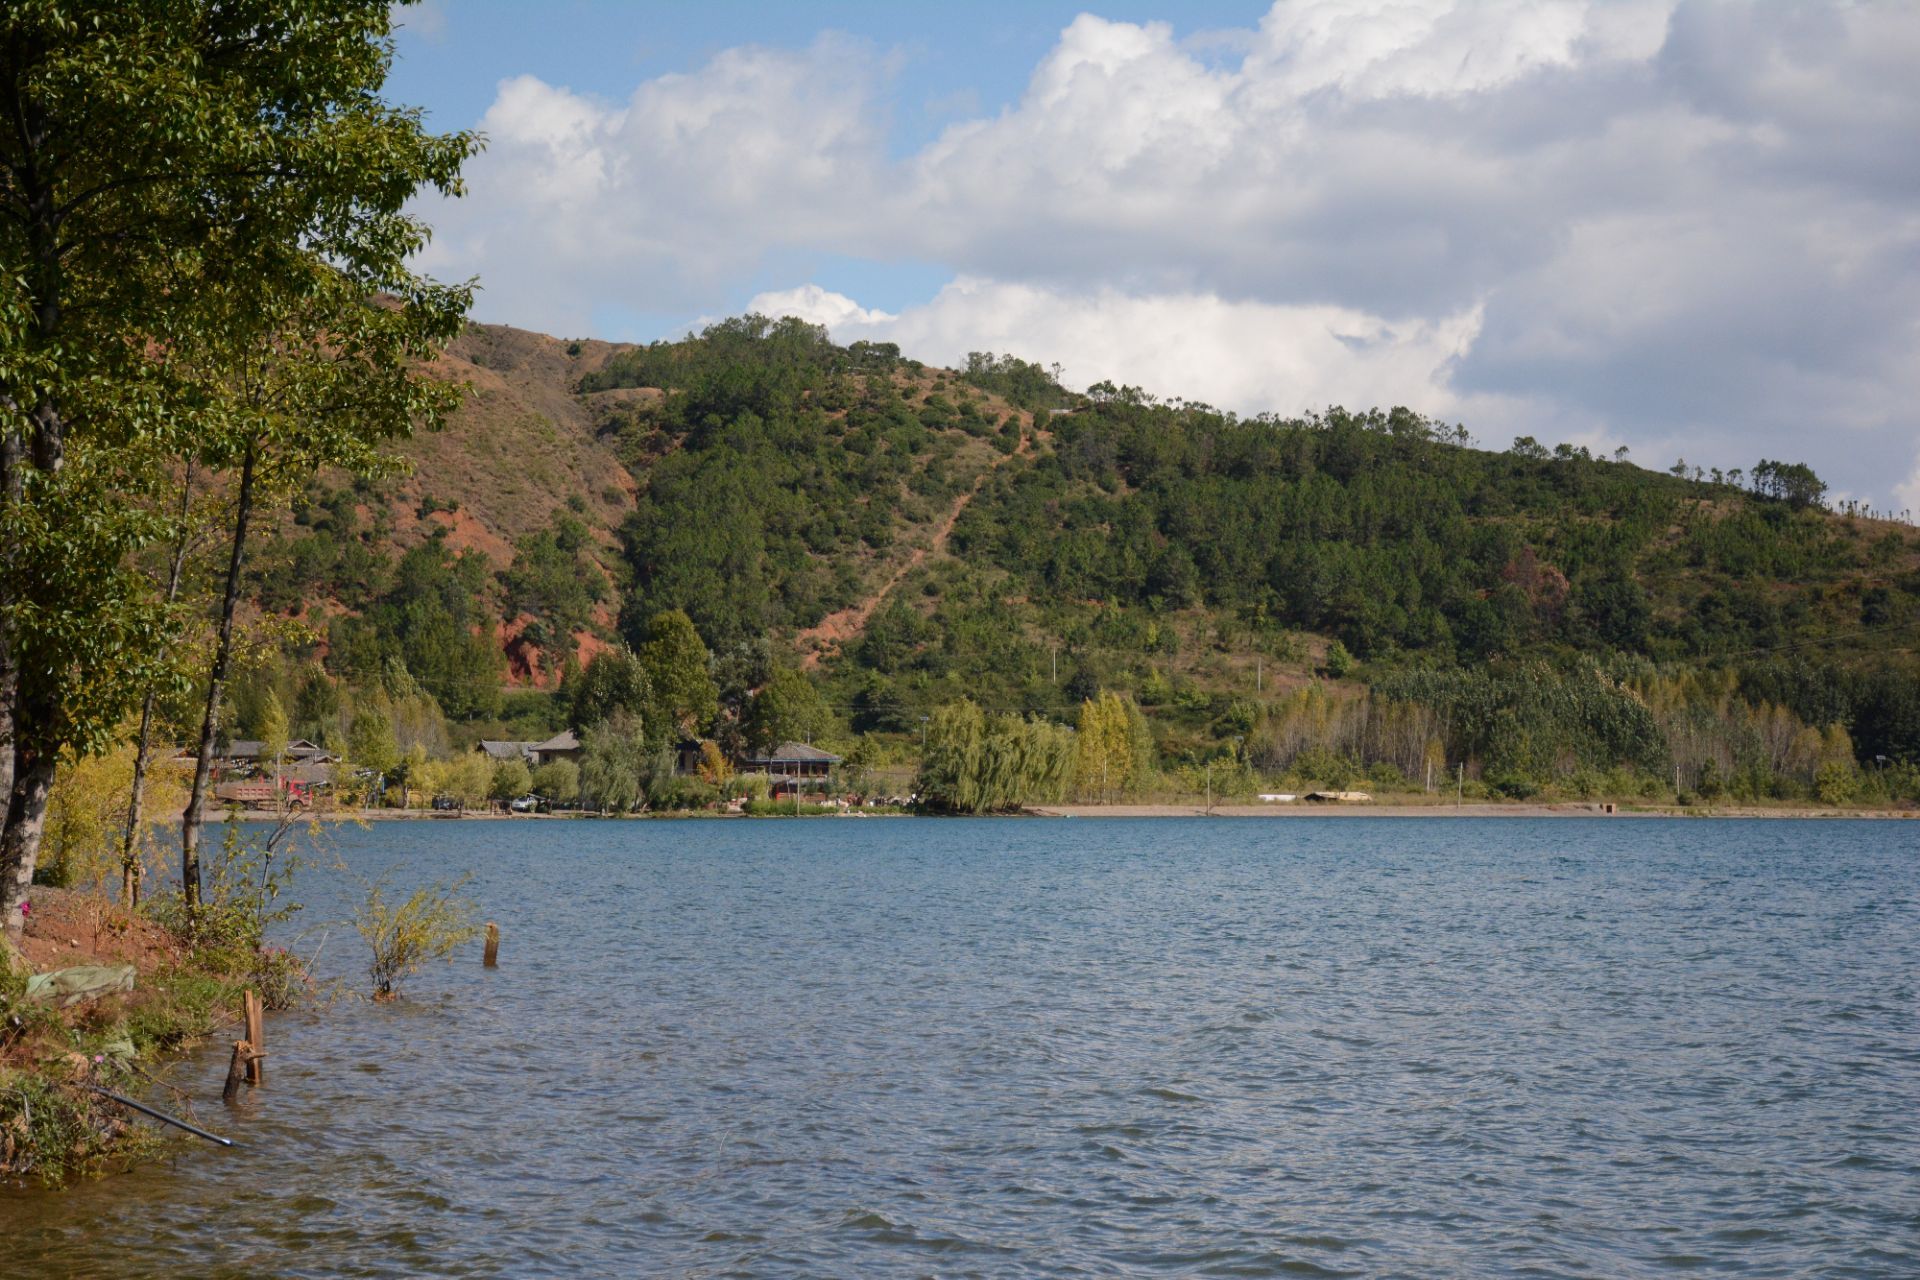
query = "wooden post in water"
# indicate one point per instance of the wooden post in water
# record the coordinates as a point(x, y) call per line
point(493, 945)
point(256, 1039)
point(237, 1070)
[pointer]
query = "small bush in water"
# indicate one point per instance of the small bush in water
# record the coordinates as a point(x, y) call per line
point(404, 936)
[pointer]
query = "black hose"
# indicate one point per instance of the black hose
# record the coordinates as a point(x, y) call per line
point(161, 1115)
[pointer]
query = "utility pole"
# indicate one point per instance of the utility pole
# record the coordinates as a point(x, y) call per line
point(1259, 673)
point(1460, 794)
point(1056, 662)
point(1209, 788)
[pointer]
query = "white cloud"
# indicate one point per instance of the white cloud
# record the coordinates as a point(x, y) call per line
point(1251, 356)
point(1906, 496)
point(1686, 227)
point(816, 305)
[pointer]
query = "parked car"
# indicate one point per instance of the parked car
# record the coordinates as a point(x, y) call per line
point(528, 804)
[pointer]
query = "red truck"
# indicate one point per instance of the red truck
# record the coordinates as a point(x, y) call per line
point(263, 793)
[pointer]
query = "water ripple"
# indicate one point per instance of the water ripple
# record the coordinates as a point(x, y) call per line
point(1295, 1048)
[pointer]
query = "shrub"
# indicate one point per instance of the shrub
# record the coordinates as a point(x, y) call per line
point(427, 926)
point(1835, 782)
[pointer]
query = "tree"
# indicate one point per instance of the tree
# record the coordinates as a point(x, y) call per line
point(1793, 483)
point(614, 764)
point(273, 734)
point(146, 252)
point(682, 696)
point(975, 763)
point(558, 781)
point(1113, 746)
point(511, 779)
point(613, 683)
point(715, 769)
point(787, 709)
point(551, 583)
point(370, 741)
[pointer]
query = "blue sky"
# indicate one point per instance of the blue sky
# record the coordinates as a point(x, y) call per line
point(1680, 226)
point(955, 59)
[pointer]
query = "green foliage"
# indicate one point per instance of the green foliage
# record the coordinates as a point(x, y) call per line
point(1793, 483)
point(614, 682)
point(273, 732)
point(240, 899)
point(614, 764)
point(1113, 747)
point(1528, 719)
point(1019, 381)
point(55, 1131)
point(370, 741)
point(976, 763)
point(554, 583)
point(431, 625)
point(429, 924)
point(558, 781)
point(511, 780)
point(787, 709)
point(681, 694)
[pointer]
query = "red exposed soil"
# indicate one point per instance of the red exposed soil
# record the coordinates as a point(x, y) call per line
point(66, 927)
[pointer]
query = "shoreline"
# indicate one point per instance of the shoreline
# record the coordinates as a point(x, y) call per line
point(1478, 809)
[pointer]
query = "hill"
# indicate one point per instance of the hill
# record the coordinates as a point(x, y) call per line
point(1340, 595)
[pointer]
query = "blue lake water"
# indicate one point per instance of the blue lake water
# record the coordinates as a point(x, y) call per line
point(1355, 1047)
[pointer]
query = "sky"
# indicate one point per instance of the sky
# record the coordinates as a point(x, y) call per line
point(1686, 227)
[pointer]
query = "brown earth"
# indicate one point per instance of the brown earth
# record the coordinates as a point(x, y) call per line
point(68, 927)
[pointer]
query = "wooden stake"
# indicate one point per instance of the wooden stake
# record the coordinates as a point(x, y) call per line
point(256, 1039)
point(237, 1070)
point(493, 945)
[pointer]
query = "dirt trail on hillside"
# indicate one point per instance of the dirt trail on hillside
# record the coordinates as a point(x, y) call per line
point(836, 629)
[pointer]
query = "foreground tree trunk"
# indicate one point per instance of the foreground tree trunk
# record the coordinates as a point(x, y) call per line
point(192, 820)
point(26, 819)
point(13, 458)
point(26, 809)
point(130, 840)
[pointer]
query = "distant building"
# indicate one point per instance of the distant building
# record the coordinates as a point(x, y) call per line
point(503, 750)
point(302, 759)
point(564, 745)
point(688, 754)
point(792, 764)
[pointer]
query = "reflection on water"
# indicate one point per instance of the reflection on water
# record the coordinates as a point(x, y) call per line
point(915, 1048)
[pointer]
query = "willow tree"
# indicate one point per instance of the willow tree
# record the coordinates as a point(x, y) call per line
point(172, 175)
point(980, 763)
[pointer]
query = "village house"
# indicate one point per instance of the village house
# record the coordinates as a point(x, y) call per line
point(564, 745)
point(793, 766)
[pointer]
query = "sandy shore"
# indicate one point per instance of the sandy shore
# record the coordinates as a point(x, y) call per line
point(1482, 810)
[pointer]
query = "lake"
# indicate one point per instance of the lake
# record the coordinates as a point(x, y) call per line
point(1322, 1047)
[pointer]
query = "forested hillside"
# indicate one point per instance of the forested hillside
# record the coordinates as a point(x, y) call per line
point(1347, 595)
